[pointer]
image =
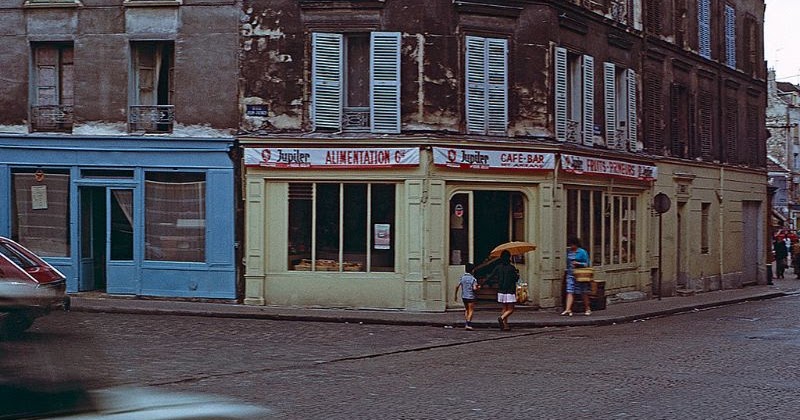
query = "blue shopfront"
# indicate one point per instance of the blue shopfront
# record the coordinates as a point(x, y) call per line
point(148, 216)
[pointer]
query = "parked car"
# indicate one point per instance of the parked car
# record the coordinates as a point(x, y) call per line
point(29, 288)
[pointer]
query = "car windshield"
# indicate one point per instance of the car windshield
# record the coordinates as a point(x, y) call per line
point(16, 256)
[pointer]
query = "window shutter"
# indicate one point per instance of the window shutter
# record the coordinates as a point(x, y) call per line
point(385, 82)
point(561, 93)
point(148, 64)
point(730, 36)
point(326, 80)
point(609, 81)
point(46, 75)
point(67, 77)
point(705, 121)
point(633, 133)
point(497, 73)
point(704, 27)
point(588, 100)
point(476, 85)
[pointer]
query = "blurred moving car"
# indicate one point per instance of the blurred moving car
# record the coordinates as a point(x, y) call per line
point(72, 401)
point(29, 288)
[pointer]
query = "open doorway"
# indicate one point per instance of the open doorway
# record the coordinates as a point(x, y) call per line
point(93, 239)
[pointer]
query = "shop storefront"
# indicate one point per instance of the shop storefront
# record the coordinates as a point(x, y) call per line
point(395, 227)
point(136, 216)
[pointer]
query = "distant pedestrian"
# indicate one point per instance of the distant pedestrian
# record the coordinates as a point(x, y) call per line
point(779, 246)
point(577, 257)
point(796, 257)
point(506, 276)
point(468, 285)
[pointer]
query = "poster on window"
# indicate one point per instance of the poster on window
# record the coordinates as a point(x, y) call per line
point(39, 197)
point(383, 236)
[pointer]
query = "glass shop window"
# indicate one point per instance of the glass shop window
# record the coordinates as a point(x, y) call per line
point(605, 223)
point(175, 216)
point(40, 210)
point(341, 227)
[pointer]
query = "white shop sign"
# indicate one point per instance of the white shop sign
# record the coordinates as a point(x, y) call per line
point(492, 159)
point(364, 157)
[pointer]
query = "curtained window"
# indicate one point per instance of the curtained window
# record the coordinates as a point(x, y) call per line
point(175, 216)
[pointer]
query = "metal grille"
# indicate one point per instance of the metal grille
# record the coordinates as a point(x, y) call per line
point(151, 118)
point(51, 118)
point(355, 119)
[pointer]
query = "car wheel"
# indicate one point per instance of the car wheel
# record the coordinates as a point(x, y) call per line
point(15, 323)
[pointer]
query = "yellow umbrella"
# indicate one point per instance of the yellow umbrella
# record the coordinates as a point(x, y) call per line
point(515, 248)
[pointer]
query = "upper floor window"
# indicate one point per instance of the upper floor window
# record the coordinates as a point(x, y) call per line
point(620, 107)
point(704, 27)
point(487, 91)
point(356, 81)
point(52, 90)
point(730, 36)
point(574, 97)
point(653, 16)
point(152, 87)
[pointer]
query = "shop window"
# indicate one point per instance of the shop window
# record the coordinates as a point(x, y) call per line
point(175, 216)
point(605, 223)
point(574, 97)
point(341, 227)
point(487, 91)
point(152, 89)
point(356, 81)
point(40, 216)
point(52, 79)
point(480, 220)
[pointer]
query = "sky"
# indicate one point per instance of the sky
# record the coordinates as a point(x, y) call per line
point(781, 48)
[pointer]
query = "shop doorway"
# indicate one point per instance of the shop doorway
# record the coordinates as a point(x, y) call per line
point(479, 221)
point(106, 238)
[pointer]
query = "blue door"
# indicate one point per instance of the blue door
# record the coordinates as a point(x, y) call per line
point(120, 239)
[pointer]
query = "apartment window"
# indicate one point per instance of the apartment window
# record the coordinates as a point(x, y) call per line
point(52, 90)
point(152, 70)
point(730, 36)
point(40, 217)
point(574, 97)
point(356, 81)
point(605, 223)
point(731, 130)
point(704, 27)
point(705, 124)
point(342, 227)
point(175, 216)
point(652, 112)
point(620, 107)
point(487, 85)
point(752, 43)
point(680, 109)
point(705, 210)
point(653, 16)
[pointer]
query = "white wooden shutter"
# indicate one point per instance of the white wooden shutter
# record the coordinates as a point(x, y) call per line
point(730, 36)
point(609, 82)
point(704, 27)
point(630, 76)
point(497, 79)
point(561, 93)
point(588, 100)
point(326, 80)
point(385, 82)
point(476, 85)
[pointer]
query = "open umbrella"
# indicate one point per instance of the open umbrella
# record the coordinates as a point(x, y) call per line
point(515, 248)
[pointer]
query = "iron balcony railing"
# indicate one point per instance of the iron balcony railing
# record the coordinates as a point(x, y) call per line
point(51, 118)
point(355, 119)
point(151, 118)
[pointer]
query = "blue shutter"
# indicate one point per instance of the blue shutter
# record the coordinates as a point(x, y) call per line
point(385, 82)
point(476, 85)
point(633, 126)
point(730, 36)
point(326, 80)
point(497, 92)
point(588, 100)
point(561, 93)
point(704, 27)
point(609, 82)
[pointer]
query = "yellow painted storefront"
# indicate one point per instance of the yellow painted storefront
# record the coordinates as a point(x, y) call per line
point(409, 218)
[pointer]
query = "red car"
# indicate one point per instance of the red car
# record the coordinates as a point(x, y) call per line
point(29, 288)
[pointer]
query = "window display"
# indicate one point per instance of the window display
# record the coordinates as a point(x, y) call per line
point(40, 221)
point(605, 223)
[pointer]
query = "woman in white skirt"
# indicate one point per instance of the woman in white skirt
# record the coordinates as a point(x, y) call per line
point(506, 276)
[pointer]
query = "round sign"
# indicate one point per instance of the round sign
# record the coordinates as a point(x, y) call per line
point(459, 211)
point(661, 203)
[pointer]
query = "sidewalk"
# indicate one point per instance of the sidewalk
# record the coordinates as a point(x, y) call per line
point(616, 313)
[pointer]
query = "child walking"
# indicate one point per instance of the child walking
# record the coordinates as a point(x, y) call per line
point(468, 285)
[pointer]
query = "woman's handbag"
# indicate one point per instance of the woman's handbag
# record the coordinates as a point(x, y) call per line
point(522, 292)
point(583, 274)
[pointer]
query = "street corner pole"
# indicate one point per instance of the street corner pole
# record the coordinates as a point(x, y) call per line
point(661, 204)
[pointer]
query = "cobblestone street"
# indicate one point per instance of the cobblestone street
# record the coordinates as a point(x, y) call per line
point(738, 361)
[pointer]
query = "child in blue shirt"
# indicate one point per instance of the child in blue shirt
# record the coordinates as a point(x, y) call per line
point(468, 285)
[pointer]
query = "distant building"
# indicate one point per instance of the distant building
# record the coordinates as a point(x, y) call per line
point(783, 147)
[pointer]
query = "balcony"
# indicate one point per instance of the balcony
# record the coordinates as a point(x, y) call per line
point(574, 131)
point(355, 119)
point(151, 118)
point(51, 118)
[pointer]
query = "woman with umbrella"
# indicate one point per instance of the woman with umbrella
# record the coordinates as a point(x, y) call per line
point(506, 276)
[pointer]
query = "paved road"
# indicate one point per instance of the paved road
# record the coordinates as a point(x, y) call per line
point(739, 361)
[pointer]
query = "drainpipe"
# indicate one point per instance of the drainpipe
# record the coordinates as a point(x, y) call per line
point(721, 224)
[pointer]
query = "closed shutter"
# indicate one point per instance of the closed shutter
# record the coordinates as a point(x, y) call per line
point(326, 80)
point(385, 82)
point(730, 36)
point(704, 27)
point(148, 62)
point(46, 76)
point(67, 77)
point(588, 100)
point(633, 126)
point(731, 130)
point(497, 74)
point(705, 121)
point(609, 82)
point(561, 93)
point(476, 85)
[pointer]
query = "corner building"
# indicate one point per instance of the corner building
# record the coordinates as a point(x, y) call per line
point(387, 143)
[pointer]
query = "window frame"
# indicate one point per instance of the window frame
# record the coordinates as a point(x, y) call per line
point(574, 97)
point(486, 85)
